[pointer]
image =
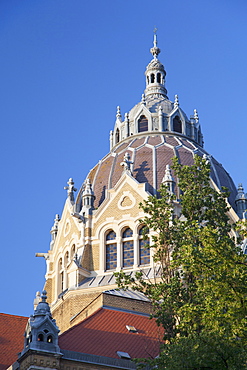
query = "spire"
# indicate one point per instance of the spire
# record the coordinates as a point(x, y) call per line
point(155, 50)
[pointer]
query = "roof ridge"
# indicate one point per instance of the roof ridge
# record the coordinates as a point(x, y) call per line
point(9, 314)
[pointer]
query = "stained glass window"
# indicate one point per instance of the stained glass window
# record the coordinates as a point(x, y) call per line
point(128, 248)
point(111, 251)
point(144, 251)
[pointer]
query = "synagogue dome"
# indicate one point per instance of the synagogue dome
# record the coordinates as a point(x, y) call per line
point(153, 132)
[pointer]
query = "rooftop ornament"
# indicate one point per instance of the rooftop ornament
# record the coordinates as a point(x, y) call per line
point(126, 163)
point(70, 189)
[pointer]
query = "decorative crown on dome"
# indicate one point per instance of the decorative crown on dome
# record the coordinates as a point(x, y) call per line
point(155, 112)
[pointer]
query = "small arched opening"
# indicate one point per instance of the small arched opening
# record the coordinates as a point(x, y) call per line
point(142, 124)
point(177, 124)
point(117, 135)
point(40, 337)
point(49, 339)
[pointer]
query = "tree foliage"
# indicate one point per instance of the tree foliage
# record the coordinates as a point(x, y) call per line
point(200, 295)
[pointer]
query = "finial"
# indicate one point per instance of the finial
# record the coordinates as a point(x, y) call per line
point(126, 163)
point(118, 115)
point(168, 175)
point(70, 189)
point(56, 220)
point(143, 99)
point(126, 116)
point(176, 102)
point(155, 50)
point(87, 187)
point(44, 296)
point(240, 194)
point(196, 115)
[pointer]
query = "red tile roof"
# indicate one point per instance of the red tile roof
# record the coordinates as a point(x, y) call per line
point(11, 338)
point(104, 333)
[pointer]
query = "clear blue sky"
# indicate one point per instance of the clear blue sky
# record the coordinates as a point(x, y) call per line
point(65, 65)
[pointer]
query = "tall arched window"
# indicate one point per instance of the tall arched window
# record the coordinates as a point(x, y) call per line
point(142, 124)
point(152, 78)
point(128, 248)
point(60, 276)
point(144, 251)
point(159, 78)
point(72, 253)
point(117, 135)
point(111, 250)
point(177, 124)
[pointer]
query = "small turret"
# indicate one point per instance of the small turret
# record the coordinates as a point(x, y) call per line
point(41, 332)
point(87, 198)
point(241, 201)
point(168, 180)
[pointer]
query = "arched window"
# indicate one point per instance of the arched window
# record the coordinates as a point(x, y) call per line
point(49, 339)
point(111, 250)
point(72, 252)
point(152, 78)
point(159, 78)
point(41, 338)
point(117, 135)
point(177, 124)
point(142, 124)
point(144, 251)
point(128, 248)
point(66, 259)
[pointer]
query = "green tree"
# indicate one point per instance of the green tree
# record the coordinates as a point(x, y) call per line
point(200, 296)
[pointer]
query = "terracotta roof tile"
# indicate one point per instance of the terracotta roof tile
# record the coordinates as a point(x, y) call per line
point(104, 333)
point(11, 338)
point(138, 142)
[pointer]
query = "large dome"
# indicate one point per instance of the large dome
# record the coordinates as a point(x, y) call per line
point(150, 135)
point(150, 153)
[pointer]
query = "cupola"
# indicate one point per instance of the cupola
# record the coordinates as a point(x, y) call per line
point(155, 73)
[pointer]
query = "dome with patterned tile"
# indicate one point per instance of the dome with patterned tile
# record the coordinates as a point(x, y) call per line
point(148, 137)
